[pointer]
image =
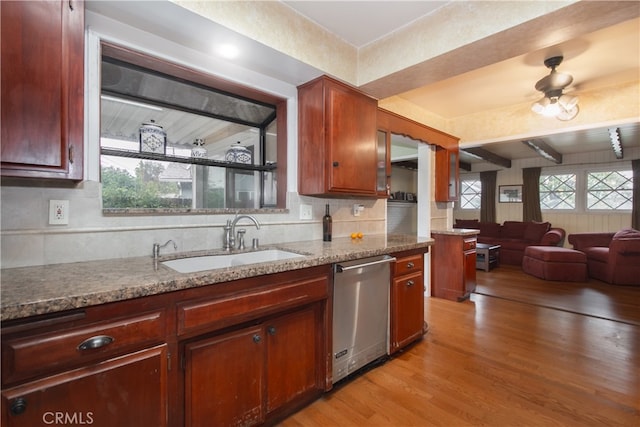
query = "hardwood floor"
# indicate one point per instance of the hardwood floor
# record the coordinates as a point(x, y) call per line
point(503, 361)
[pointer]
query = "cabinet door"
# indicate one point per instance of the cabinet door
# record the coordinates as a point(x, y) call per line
point(127, 391)
point(383, 166)
point(351, 138)
point(470, 271)
point(447, 175)
point(408, 308)
point(42, 102)
point(224, 379)
point(292, 357)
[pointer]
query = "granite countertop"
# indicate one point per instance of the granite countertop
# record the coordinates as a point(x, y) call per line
point(457, 231)
point(29, 291)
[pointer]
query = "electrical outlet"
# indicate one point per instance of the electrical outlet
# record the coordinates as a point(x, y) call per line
point(58, 212)
point(306, 212)
point(357, 209)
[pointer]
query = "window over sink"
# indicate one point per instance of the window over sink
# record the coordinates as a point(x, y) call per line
point(183, 141)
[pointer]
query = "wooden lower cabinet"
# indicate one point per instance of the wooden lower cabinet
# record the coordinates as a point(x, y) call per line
point(407, 300)
point(293, 356)
point(125, 391)
point(243, 352)
point(453, 264)
point(224, 379)
point(240, 377)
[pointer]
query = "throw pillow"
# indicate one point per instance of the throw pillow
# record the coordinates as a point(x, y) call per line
point(535, 231)
point(513, 229)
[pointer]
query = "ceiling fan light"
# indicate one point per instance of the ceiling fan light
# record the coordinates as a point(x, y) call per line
point(566, 115)
point(552, 109)
point(539, 106)
point(568, 102)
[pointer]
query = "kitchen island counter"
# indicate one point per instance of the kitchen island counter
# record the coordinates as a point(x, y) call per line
point(30, 291)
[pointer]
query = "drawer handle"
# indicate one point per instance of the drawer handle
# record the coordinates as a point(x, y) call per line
point(271, 330)
point(410, 265)
point(410, 283)
point(95, 342)
point(257, 338)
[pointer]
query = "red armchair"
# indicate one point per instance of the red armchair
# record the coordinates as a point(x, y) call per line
point(611, 257)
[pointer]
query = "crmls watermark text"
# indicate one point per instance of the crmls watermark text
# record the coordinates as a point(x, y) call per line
point(67, 418)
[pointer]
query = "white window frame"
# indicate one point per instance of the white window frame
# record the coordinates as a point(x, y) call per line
point(586, 190)
point(467, 177)
point(581, 172)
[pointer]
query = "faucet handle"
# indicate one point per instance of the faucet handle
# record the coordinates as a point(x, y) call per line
point(241, 238)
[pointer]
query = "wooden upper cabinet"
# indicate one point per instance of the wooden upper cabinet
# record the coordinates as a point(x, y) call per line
point(337, 140)
point(447, 175)
point(42, 88)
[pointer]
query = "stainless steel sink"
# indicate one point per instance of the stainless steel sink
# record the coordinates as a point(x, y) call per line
point(212, 262)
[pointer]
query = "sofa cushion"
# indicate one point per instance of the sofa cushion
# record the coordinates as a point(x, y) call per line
point(489, 229)
point(514, 229)
point(597, 253)
point(466, 223)
point(513, 244)
point(535, 231)
point(627, 233)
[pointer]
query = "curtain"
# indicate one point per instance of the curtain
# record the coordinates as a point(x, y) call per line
point(531, 194)
point(635, 198)
point(488, 196)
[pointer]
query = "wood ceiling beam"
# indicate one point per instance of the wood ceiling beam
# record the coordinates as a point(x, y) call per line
point(616, 144)
point(544, 150)
point(465, 166)
point(488, 156)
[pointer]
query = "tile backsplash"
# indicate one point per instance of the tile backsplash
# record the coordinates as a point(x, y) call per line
point(28, 239)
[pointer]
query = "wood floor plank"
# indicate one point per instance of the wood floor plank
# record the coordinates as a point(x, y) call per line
point(515, 359)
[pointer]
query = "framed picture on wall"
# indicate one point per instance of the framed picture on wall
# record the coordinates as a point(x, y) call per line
point(510, 193)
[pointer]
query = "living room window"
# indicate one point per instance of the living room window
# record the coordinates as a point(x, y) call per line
point(470, 192)
point(558, 192)
point(610, 190)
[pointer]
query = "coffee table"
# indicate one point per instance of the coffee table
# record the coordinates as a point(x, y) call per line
point(487, 256)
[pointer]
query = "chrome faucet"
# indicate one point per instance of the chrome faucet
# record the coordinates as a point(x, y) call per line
point(157, 247)
point(230, 232)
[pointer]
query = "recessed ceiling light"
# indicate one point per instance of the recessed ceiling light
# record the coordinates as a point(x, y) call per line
point(228, 51)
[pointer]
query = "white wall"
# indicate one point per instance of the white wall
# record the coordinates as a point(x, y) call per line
point(27, 239)
point(574, 221)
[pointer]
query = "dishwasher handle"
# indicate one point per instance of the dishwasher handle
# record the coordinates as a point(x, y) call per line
point(341, 268)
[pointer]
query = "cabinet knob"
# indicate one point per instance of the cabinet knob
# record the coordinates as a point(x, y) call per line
point(271, 330)
point(18, 406)
point(257, 338)
point(410, 283)
point(336, 164)
point(95, 342)
point(410, 265)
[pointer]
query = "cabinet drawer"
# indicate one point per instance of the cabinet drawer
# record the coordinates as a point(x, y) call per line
point(468, 244)
point(409, 264)
point(45, 353)
point(234, 309)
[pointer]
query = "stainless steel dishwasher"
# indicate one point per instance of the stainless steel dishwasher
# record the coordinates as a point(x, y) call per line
point(360, 313)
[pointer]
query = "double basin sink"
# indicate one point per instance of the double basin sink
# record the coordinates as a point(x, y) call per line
point(211, 262)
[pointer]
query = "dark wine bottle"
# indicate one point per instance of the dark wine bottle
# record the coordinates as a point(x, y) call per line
point(326, 225)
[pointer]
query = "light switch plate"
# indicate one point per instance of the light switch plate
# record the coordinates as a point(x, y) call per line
point(58, 212)
point(306, 212)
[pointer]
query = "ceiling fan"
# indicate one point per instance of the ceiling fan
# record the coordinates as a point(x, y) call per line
point(555, 103)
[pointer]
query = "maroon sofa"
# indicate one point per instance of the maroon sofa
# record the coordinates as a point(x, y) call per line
point(514, 236)
point(611, 257)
